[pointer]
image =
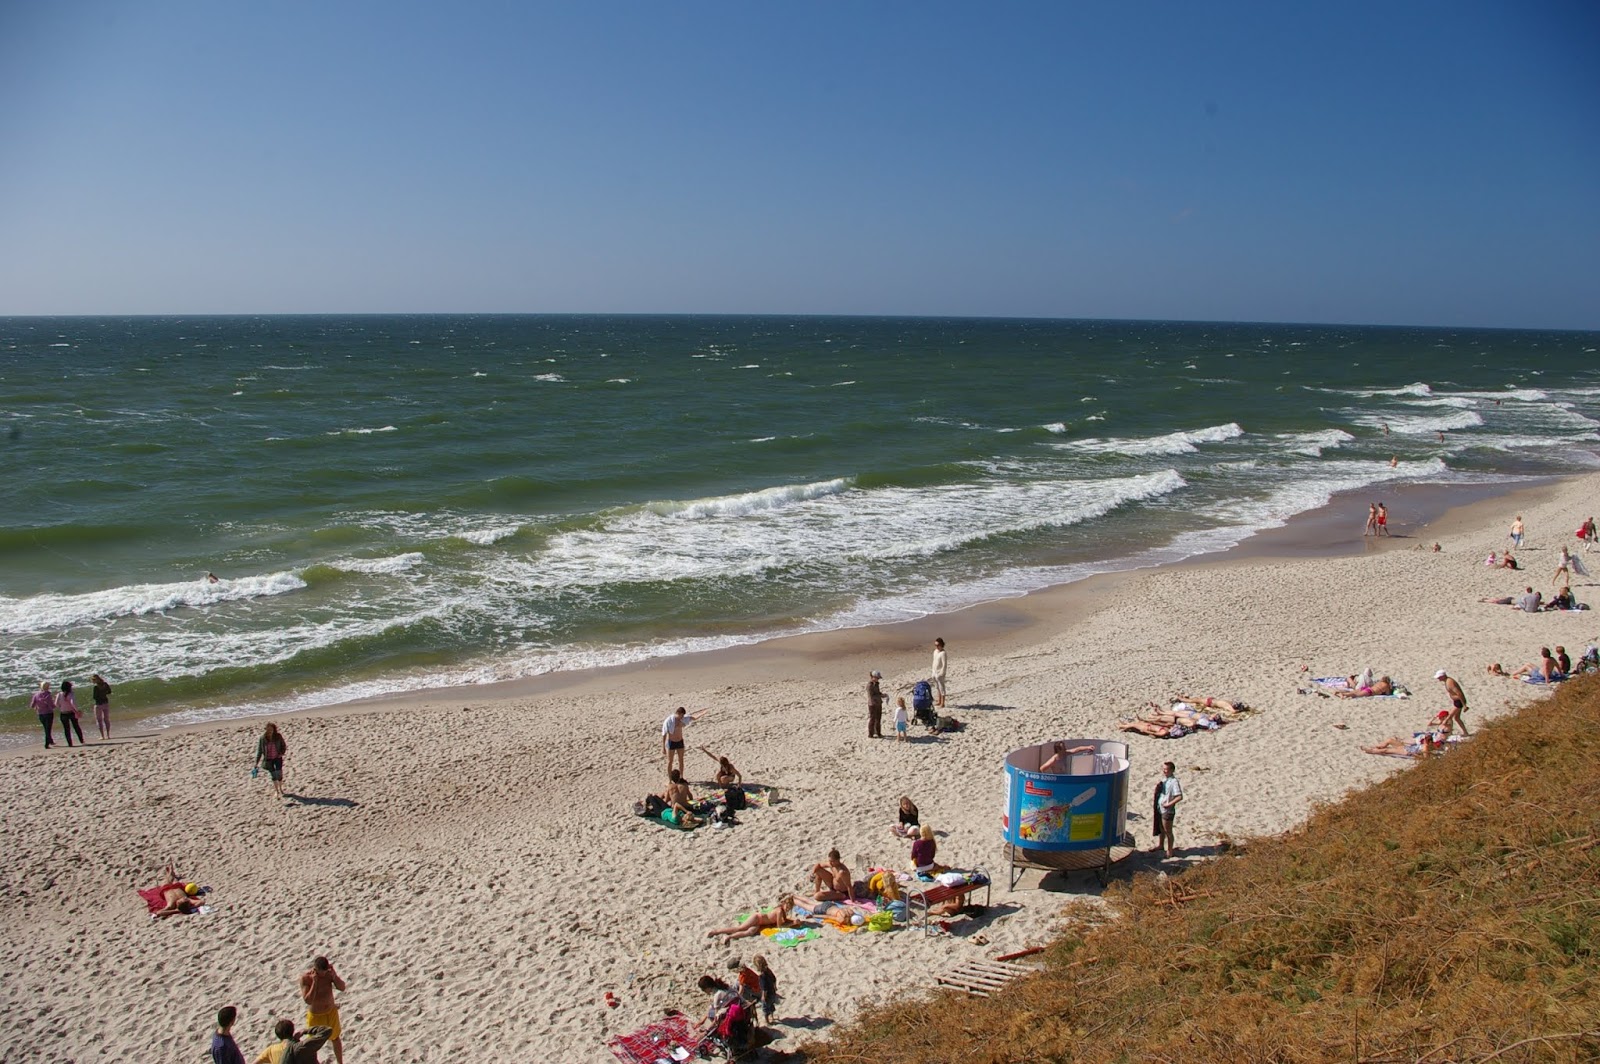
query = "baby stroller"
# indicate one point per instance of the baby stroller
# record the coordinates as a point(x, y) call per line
point(922, 704)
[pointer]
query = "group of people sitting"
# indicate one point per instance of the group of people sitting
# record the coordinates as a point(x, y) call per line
point(677, 805)
point(1531, 601)
point(1550, 668)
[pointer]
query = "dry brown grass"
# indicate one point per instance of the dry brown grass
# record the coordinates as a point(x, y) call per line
point(1451, 913)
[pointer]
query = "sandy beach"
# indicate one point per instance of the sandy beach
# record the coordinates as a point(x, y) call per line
point(470, 861)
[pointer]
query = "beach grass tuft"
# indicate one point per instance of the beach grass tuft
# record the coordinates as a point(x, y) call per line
point(1448, 913)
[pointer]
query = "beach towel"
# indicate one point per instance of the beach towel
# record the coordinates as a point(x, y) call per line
point(663, 1039)
point(1538, 680)
point(791, 936)
point(1333, 683)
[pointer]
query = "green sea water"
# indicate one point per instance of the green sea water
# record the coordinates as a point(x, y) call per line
point(392, 502)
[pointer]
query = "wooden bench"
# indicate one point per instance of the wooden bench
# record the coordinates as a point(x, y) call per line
point(925, 896)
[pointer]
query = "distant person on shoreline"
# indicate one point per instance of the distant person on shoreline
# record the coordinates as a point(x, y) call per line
point(270, 749)
point(1587, 533)
point(44, 704)
point(1383, 520)
point(1372, 520)
point(67, 709)
point(874, 705)
point(102, 706)
point(316, 989)
point(672, 735)
point(1517, 530)
point(212, 578)
point(939, 665)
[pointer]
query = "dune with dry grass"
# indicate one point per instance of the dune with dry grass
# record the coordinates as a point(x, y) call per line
point(1448, 913)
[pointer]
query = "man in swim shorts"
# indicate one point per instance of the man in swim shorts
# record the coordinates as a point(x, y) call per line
point(1458, 700)
point(316, 988)
point(672, 735)
point(831, 881)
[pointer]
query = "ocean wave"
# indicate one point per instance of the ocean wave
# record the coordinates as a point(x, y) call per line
point(1057, 427)
point(398, 563)
point(483, 537)
point(360, 432)
point(49, 612)
point(1183, 442)
point(1421, 424)
point(1313, 444)
point(750, 501)
point(1458, 401)
point(1521, 395)
point(553, 378)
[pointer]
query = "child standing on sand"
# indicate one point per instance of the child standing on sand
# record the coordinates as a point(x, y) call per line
point(902, 721)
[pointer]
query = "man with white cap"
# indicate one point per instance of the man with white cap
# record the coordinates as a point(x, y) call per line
point(1458, 700)
point(874, 705)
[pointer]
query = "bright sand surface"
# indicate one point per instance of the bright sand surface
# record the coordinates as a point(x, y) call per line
point(470, 862)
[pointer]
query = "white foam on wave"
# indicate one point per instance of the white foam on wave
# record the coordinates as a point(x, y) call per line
point(619, 380)
point(1057, 427)
point(755, 534)
point(1421, 424)
point(48, 613)
point(1184, 442)
point(553, 378)
point(1458, 401)
point(484, 537)
point(399, 563)
point(1313, 443)
point(1521, 395)
point(360, 432)
point(748, 502)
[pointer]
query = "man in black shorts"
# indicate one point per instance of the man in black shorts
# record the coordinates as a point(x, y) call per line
point(1458, 700)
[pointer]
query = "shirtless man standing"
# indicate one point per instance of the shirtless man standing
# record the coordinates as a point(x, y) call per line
point(1458, 700)
point(672, 735)
point(831, 881)
point(316, 988)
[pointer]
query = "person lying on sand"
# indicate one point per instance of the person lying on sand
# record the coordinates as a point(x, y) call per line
point(1212, 703)
point(782, 916)
point(180, 898)
point(1145, 727)
point(678, 801)
point(831, 881)
point(727, 775)
point(1381, 686)
point(1422, 744)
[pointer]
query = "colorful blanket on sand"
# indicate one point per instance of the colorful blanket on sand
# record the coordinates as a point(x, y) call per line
point(791, 936)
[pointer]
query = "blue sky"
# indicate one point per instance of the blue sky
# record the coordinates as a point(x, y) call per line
point(1354, 162)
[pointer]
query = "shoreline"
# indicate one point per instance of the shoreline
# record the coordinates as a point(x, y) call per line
point(1432, 508)
point(472, 865)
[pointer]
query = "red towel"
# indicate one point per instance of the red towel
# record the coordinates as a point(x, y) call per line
point(156, 898)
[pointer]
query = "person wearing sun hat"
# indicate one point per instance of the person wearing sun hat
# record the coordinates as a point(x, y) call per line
point(1458, 700)
point(874, 705)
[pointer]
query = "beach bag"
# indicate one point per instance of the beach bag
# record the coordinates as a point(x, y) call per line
point(733, 798)
point(880, 921)
point(922, 696)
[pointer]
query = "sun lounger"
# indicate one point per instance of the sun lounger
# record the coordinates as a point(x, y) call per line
point(922, 896)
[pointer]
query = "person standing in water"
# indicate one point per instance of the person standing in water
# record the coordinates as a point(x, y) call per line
point(67, 709)
point(102, 705)
point(44, 704)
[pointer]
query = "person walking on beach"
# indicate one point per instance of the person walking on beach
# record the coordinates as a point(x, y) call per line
point(102, 706)
point(1516, 532)
point(672, 735)
point(938, 673)
point(270, 749)
point(316, 989)
point(1372, 520)
point(224, 1050)
point(67, 710)
point(1458, 700)
point(1171, 795)
point(1383, 520)
point(1588, 533)
point(44, 704)
point(874, 705)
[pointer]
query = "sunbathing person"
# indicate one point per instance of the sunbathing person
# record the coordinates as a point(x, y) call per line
point(831, 881)
point(1060, 752)
point(679, 809)
point(727, 775)
point(179, 898)
point(1544, 671)
point(1212, 703)
point(782, 916)
point(1381, 686)
point(1144, 727)
point(1420, 745)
